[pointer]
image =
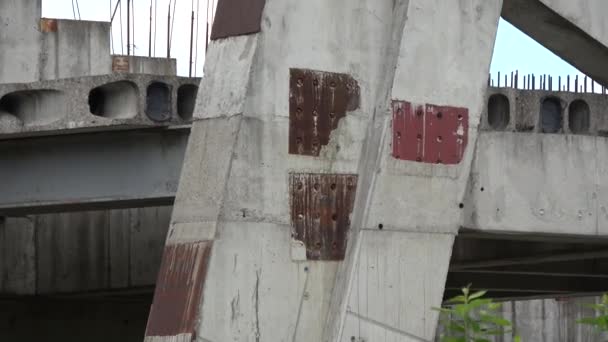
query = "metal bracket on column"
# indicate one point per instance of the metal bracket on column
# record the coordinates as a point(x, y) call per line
point(429, 133)
point(321, 205)
point(317, 102)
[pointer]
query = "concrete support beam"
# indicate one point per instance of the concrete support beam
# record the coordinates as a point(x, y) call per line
point(574, 30)
point(234, 228)
point(104, 170)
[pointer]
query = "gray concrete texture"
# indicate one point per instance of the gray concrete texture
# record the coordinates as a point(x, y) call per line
point(241, 122)
point(89, 103)
point(540, 182)
point(420, 51)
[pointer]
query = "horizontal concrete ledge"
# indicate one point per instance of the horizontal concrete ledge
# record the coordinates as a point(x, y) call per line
point(91, 171)
point(95, 103)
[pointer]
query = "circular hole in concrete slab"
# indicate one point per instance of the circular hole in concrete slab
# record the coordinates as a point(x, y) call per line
point(551, 115)
point(186, 101)
point(158, 101)
point(498, 112)
point(579, 117)
point(116, 100)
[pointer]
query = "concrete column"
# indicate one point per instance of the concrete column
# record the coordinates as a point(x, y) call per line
point(235, 268)
point(20, 40)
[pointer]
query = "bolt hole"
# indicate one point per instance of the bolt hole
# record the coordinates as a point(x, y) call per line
point(300, 217)
point(305, 268)
point(332, 84)
point(419, 112)
point(299, 141)
point(334, 245)
point(332, 115)
point(439, 138)
point(419, 137)
point(334, 217)
point(482, 189)
point(300, 186)
point(315, 82)
point(380, 226)
point(461, 205)
point(418, 159)
point(315, 113)
point(459, 116)
point(333, 186)
point(439, 161)
point(439, 115)
point(318, 244)
point(398, 134)
point(317, 186)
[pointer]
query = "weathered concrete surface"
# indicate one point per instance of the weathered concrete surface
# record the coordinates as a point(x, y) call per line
point(240, 203)
point(574, 30)
point(144, 65)
point(93, 103)
point(525, 181)
point(82, 252)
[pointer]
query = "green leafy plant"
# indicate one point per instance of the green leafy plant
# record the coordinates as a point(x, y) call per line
point(471, 318)
point(600, 321)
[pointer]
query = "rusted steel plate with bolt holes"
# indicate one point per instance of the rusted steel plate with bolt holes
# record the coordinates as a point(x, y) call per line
point(317, 102)
point(429, 133)
point(179, 289)
point(237, 17)
point(321, 205)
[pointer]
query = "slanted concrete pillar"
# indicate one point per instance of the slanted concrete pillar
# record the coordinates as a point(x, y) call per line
point(298, 217)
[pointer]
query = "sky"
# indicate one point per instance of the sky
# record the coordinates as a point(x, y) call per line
point(513, 49)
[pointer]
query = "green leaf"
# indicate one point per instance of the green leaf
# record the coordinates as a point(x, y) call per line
point(496, 320)
point(516, 339)
point(457, 299)
point(477, 294)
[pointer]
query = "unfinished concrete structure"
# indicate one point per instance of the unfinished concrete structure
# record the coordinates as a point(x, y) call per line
point(330, 165)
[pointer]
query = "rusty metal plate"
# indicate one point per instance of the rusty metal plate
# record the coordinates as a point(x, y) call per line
point(429, 133)
point(120, 64)
point(321, 205)
point(237, 18)
point(179, 288)
point(317, 102)
point(48, 25)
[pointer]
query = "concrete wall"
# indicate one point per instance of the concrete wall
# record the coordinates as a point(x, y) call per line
point(71, 48)
point(523, 180)
point(20, 40)
point(144, 65)
point(82, 252)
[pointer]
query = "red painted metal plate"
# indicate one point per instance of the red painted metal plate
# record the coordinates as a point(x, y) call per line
point(321, 205)
point(179, 288)
point(318, 100)
point(429, 133)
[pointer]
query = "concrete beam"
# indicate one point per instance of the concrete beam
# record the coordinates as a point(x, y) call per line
point(92, 171)
point(535, 259)
point(575, 31)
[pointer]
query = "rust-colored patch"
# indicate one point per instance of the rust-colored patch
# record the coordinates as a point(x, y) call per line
point(48, 25)
point(429, 133)
point(120, 64)
point(179, 289)
point(317, 102)
point(321, 205)
point(237, 18)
